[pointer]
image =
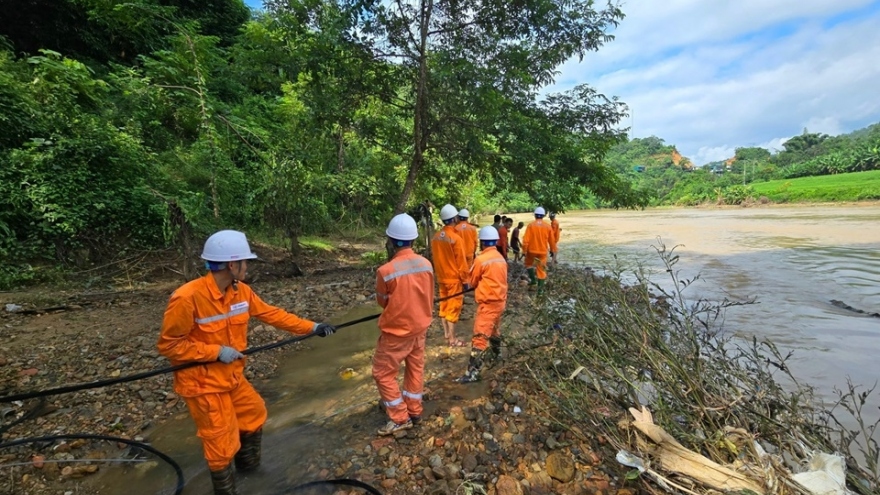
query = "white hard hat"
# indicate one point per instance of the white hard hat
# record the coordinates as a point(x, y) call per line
point(489, 233)
point(463, 213)
point(227, 245)
point(448, 212)
point(402, 228)
point(540, 211)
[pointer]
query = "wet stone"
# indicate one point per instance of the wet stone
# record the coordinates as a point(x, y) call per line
point(506, 485)
point(560, 467)
point(469, 462)
point(439, 472)
point(439, 487)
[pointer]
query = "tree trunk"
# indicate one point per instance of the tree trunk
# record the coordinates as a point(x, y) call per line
point(420, 117)
point(340, 153)
point(295, 250)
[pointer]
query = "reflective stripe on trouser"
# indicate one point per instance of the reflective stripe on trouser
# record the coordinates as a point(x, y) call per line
point(221, 417)
point(487, 324)
point(392, 350)
point(538, 261)
point(450, 309)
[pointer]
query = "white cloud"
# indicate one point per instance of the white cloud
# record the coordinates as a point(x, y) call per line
point(824, 125)
point(775, 144)
point(707, 154)
point(712, 76)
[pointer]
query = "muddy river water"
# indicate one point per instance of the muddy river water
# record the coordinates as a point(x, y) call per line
point(793, 260)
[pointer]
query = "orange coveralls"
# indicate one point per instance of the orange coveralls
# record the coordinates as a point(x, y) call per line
point(557, 231)
point(405, 289)
point(198, 321)
point(451, 269)
point(537, 238)
point(502, 241)
point(489, 276)
point(468, 234)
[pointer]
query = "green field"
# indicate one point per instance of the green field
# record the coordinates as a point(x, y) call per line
point(857, 186)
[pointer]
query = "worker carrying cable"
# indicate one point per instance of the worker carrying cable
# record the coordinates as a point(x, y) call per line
point(405, 290)
point(537, 242)
point(206, 321)
point(489, 278)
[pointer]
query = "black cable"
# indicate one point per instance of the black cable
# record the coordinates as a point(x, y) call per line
point(139, 376)
point(82, 436)
point(161, 371)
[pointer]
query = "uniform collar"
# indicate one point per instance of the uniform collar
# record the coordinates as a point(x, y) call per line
point(212, 287)
point(402, 252)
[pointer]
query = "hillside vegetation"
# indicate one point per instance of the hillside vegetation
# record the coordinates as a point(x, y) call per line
point(661, 173)
point(856, 186)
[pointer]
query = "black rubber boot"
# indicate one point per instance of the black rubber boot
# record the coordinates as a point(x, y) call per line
point(474, 364)
point(248, 456)
point(495, 345)
point(224, 481)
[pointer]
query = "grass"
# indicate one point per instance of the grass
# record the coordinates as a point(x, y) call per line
point(856, 186)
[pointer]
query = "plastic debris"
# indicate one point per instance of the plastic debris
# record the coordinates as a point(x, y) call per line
point(13, 308)
point(827, 475)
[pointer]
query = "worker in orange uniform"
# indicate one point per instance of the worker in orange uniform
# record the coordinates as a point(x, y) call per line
point(451, 271)
point(537, 242)
point(489, 278)
point(206, 321)
point(503, 236)
point(557, 231)
point(405, 289)
point(468, 234)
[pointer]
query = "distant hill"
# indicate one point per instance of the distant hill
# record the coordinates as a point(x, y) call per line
point(660, 172)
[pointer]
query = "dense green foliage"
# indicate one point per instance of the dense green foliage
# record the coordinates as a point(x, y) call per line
point(649, 164)
point(131, 125)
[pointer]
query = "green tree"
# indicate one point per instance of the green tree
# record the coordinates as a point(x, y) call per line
point(469, 66)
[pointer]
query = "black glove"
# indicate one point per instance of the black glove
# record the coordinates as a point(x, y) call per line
point(324, 329)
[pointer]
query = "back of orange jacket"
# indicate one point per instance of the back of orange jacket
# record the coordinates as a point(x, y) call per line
point(557, 230)
point(450, 263)
point(200, 319)
point(489, 276)
point(405, 289)
point(538, 237)
point(468, 234)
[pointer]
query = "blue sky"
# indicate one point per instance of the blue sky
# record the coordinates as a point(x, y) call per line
point(710, 76)
point(713, 75)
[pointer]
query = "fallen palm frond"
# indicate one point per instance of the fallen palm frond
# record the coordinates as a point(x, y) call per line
point(725, 412)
